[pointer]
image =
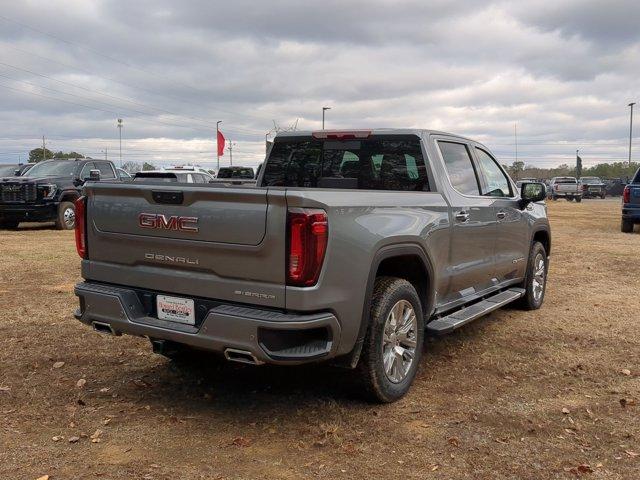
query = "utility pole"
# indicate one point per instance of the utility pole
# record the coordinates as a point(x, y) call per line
point(515, 134)
point(217, 148)
point(44, 151)
point(105, 153)
point(630, 130)
point(324, 109)
point(120, 131)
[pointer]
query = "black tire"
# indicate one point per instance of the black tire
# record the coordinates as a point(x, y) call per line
point(377, 385)
point(530, 300)
point(569, 198)
point(554, 198)
point(578, 199)
point(66, 216)
point(9, 224)
point(603, 195)
point(626, 226)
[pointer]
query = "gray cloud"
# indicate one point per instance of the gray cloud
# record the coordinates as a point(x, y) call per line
point(563, 71)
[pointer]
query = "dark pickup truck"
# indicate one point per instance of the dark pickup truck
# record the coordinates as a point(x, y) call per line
point(48, 191)
point(631, 204)
point(351, 247)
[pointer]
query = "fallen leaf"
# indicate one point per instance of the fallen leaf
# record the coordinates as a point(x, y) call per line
point(57, 438)
point(5, 389)
point(631, 454)
point(566, 411)
point(58, 365)
point(96, 434)
point(454, 441)
point(81, 383)
point(241, 442)
point(73, 439)
point(43, 477)
point(625, 371)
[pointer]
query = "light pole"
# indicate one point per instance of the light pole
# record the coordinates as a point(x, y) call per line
point(217, 140)
point(120, 132)
point(324, 109)
point(630, 129)
point(231, 144)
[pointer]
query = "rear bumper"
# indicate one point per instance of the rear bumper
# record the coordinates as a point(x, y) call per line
point(28, 212)
point(270, 336)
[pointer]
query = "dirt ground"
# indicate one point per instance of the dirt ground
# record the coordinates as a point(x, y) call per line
point(517, 395)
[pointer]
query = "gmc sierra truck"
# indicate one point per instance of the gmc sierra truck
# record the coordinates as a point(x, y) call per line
point(350, 248)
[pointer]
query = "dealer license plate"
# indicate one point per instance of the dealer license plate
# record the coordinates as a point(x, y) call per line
point(176, 309)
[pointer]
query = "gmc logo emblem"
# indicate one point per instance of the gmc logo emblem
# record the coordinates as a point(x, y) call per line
point(164, 222)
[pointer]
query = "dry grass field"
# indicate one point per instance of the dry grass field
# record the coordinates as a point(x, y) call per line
point(517, 395)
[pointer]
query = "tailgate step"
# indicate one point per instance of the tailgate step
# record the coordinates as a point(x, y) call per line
point(467, 314)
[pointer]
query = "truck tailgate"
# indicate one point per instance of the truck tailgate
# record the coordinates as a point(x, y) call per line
point(206, 241)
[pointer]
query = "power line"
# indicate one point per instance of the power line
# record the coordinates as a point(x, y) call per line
point(122, 99)
point(115, 80)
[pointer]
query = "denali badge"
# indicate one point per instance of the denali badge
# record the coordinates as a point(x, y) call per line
point(164, 222)
point(171, 259)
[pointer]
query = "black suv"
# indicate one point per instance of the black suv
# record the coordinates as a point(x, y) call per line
point(48, 191)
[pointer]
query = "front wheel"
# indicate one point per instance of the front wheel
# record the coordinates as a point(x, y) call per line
point(626, 226)
point(535, 282)
point(393, 345)
point(578, 199)
point(66, 219)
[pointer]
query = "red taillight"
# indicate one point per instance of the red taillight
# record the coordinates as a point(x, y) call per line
point(626, 195)
point(341, 135)
point(308, 232)
point(81, 227)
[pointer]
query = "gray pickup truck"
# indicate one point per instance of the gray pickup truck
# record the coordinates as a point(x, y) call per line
point(351, 247)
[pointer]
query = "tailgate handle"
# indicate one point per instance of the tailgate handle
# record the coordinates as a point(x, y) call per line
point(170, 198)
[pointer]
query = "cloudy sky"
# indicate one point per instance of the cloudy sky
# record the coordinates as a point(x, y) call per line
point(562, 70)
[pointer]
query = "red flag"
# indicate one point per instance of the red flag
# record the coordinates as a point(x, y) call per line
point(220, 143)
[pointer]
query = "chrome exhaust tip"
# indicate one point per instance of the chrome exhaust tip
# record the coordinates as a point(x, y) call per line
point(241, 356)
point(105, 328)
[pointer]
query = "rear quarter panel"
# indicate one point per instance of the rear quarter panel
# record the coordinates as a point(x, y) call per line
point(361, 224)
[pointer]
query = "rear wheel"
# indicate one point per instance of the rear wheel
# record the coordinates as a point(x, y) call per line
point(626, 226)
point(66, 219)
point(602, 196)
point(578, 199)
point(393, 345)
point(535, 282)
point(9, 224)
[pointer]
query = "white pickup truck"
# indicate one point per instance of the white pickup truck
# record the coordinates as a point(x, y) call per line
point(565, 187)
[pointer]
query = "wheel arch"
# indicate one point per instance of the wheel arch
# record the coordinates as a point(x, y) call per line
point(408, 261)
point(69, 196)
point(543, 236)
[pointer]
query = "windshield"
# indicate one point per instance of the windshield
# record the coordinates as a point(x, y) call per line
point(53, 168)
point(591, 180)
point(384, 162)
point(235, 173)
point(7, 170)
point(636, 179)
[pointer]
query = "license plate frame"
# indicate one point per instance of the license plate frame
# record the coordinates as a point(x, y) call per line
point(176, 309)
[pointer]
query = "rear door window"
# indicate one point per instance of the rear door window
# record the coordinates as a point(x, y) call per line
point(460, 168)
point(390, 162)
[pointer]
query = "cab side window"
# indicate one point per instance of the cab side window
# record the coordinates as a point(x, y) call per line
point(106, 171)
point(460, 168)
point(496, 182)
point(86, 170)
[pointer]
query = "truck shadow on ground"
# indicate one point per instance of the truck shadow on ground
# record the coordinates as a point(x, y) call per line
point(208, 384)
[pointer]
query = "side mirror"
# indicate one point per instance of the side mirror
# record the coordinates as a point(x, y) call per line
point(531, 192)
point(94, 175)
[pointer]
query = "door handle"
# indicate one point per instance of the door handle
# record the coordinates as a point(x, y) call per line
point(501, 215)
point(462, 216)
